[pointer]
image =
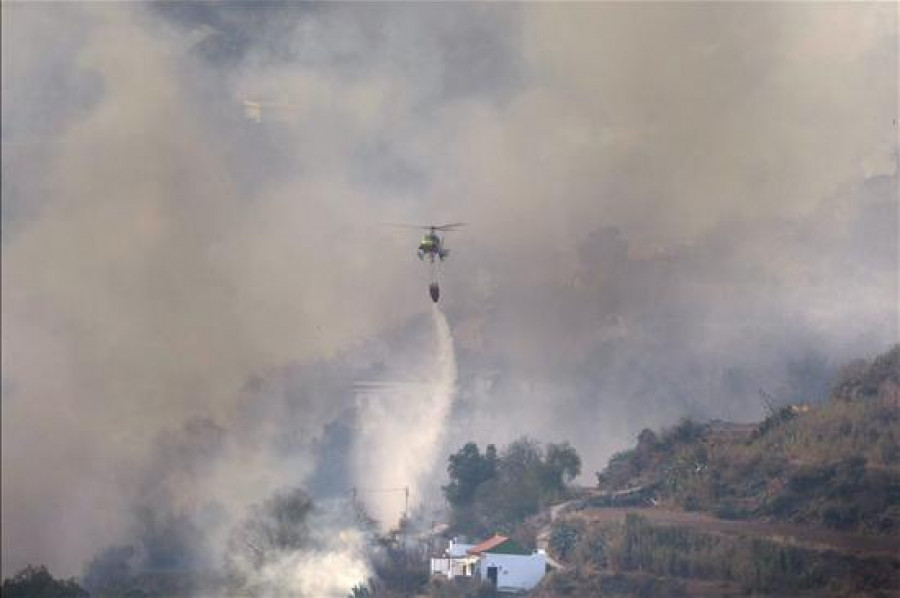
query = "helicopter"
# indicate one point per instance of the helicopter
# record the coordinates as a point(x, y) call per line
point(431, 248)
point(432, 245)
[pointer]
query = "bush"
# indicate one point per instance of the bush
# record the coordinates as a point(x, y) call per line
point(841, 516)
point(835, 464)
point(563, 539)
point(685, 432)
point(756, 564)
point(581, 582)
point(460, 588)
point(36, 582)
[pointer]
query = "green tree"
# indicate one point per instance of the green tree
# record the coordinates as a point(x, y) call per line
point(468, 469)
point(36, 582)
point(491, 493)
point(520, 490)
point(561, 465)
point(360, 591)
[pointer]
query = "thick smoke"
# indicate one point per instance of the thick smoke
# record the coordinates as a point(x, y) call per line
point(288, 547)
point(670, 206)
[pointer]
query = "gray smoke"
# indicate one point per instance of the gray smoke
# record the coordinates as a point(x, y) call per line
point(670, 206)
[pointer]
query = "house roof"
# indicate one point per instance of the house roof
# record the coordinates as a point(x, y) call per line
point(486, 545)
point(498, 545)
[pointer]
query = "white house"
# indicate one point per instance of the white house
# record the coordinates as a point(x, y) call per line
point(499, 560)
point(455, 562)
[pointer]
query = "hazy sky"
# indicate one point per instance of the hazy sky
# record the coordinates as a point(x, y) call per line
point(669, 206)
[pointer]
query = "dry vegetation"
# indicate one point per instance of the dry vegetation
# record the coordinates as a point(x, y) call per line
point(836, 464)
point(670, 555)
point(831, 466)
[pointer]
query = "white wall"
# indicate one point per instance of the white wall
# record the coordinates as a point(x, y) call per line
point(458, 549)
point(440, 566)
point(453, 567)
point(515, 571)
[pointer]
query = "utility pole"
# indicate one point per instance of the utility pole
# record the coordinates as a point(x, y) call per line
point(355, 493)
point(406, 503)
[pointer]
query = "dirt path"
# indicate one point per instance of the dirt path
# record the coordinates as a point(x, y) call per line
point(543, 534)
point(797, 535)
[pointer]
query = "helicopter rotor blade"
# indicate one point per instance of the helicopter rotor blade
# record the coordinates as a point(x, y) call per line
point(449, 227)
point(442, 228)
point(403, 225)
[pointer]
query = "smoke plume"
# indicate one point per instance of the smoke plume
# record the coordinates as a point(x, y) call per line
point(286, 546)
point(669, 207)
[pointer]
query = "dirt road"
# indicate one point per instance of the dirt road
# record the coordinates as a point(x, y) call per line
point(797, 535)
point(543, 535)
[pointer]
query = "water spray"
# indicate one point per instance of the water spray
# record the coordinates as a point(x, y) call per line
point(402, 426)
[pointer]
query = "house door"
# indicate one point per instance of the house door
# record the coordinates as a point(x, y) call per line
point(492, 575)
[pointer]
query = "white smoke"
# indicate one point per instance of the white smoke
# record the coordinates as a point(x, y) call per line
point(333, 561)
point(401, 429)
point(326, 574)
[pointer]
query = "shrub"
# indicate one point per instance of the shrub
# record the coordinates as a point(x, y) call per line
point(564, 538)
point(36, 582)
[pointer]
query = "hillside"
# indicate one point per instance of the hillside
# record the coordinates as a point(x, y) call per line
point(836, 464)
point(803, 503)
